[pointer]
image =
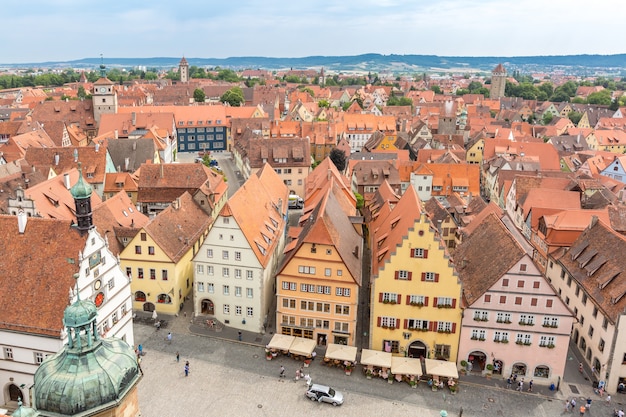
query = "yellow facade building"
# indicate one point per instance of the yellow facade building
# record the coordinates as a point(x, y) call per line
point(415, 297)
point(158, 258)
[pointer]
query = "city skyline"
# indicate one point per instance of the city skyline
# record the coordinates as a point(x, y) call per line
point(62, 30)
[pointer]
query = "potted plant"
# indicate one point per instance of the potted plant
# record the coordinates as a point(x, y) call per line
point(413, 383)
point(390, 378)
point(464, 366)
point(348, 369)
point(368, 374)
point(268, 355)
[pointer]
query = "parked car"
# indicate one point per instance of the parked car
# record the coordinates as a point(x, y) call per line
point(324, 394)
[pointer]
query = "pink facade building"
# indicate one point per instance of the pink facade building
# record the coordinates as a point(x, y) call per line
point(513, 319)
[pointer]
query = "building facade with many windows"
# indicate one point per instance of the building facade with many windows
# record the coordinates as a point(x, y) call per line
point(589, 278)
point(234, 269)
point(318, 284)
point(415, 297)
point(513, 322)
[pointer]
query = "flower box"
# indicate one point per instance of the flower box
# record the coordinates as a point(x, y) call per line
point(413, 303)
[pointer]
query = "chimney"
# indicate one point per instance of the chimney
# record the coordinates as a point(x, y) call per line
point(117, 136)
point(161, 170)
point(22, 219)
point(126, 163)
point(134, 118)
point(97, 147)
point(56, 159)
point(176, 203)
point(66, 180)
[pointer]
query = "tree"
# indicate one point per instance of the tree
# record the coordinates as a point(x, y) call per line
point(473, 86)
point(323, 103)
point(575, 117)
point(360, 201)
point(546, 118)
point(198, 95)
point(234, 97)
point(601, 97)
point(228, 75)
point(339, 159)
point(81, 92)
point(436, 89)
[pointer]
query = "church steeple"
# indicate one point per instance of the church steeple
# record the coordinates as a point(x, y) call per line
point(81, 191)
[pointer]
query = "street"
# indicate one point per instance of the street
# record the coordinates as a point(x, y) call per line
point(230, 378)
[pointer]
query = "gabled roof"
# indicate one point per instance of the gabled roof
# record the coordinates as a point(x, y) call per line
point(596, 262)
point(479, 268)
point(165, 182)
point(128, 154)
point(329, 225)
point(53, 199)
point(119, 216)
point(262, 223)
point(42, 262)
point(389, 231)
point(93, 159)
point(177, 228)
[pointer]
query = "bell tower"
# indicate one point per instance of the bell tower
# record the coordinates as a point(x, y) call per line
point(81, 191)
point(104, 95)
point(498, 82)
point(183, 70)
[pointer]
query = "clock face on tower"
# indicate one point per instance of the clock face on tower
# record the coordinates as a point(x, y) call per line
point(103, 89)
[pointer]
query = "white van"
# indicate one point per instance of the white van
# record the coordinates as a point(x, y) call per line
point(295, 201)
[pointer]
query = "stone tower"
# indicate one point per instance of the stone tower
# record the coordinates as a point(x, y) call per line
point(81, 191)
point(498, 82)
point(447, 119)
point(90, 376)
point(183, 70)
point(104, 96)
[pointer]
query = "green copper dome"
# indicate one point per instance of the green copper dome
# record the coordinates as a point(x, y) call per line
point(81, 190)
point(80, 313)
point(89, 374)
point(75, 380)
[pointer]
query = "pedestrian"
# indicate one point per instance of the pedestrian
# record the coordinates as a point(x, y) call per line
point(297, 375)
point(139, 364)
point(169, 337)
point(608, 400)
point(186, 368)
point(568, 405)
point(508, 383)
point(521, 385)
point(239, 336)
point(530, 386)
point(514, 378)
point(177, 357)
point(573, 403)
point(582, 410)
point(588, 405)
point(580, 367)
point(282, 371)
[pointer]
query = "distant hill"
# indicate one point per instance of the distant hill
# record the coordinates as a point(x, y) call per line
point(614, 64)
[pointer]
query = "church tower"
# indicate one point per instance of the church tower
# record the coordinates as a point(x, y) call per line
point(183, 70)
point(81, 191)
point(498, 82)
point(104, 96)
point(90, 376)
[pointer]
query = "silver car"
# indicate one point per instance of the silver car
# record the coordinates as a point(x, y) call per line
point(322, 393)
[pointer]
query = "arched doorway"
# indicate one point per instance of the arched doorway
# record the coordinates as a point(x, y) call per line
point(207, 307)
point(519, 369)
point(148, 307)
point(478, 360)
point(15, 393)
point(417, 349)
point(575, 337)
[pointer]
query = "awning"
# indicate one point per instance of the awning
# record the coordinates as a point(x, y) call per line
point(441, 368)
point(280, 342)
point(341, 352)
point(406, 366)
point(376, 358)
point(302, 346)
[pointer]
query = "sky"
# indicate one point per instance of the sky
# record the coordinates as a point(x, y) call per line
point(62, 30)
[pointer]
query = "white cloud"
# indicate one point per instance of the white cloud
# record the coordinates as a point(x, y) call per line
point(72, 29)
